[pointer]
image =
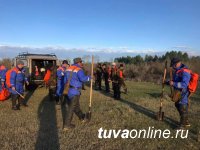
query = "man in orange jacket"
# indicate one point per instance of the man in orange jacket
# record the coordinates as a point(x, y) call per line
point(115, 78)
point(122, 78)
point(16, 85)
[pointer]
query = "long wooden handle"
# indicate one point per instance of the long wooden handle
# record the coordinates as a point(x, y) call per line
point(164, 77)
point(92, 68)
point(20, 94)
point(163, 84)
point(165, 72)
point(171, 78)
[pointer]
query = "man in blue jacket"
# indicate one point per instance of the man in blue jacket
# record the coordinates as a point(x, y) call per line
point(181, 79)
point(17, 80)
point(61, 80)
point(3, 71)
point(76, 78)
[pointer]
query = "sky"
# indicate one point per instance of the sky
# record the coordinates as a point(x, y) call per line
point(103, 27)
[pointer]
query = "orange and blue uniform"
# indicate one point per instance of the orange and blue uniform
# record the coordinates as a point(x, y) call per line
point(77, 79)
point(61, 80)
point(181, 80)
point(17, 80)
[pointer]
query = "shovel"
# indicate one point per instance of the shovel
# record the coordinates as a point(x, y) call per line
point(89, 113)
point(20, 94)
point(160, 114)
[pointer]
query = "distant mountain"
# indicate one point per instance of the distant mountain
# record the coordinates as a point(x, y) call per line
point(104, 54)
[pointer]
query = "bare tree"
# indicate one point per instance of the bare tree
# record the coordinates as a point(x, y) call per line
point(6, 62)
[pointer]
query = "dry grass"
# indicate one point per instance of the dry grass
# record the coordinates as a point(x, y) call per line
point(40, 125)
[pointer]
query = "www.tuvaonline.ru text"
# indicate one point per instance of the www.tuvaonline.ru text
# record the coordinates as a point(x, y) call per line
point(150, 133)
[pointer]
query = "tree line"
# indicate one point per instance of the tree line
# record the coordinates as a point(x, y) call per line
point(138, 59)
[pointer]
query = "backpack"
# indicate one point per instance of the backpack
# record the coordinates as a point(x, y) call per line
point(8, 75)
point(193, 84)
point(4, 94)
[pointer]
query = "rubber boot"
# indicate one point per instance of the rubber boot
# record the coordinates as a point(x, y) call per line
point(22, 102)
point(83, 87)
point(57, 98)
point(184, 122)
point(69, 127)
point(60, 100)
point(14, 106)
point(14, 102)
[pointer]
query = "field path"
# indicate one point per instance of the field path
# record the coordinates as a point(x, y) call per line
point(39, 126)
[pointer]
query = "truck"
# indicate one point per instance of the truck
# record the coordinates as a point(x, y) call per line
point(36, 65)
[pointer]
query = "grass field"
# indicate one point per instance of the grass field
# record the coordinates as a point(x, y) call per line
point(40, 125)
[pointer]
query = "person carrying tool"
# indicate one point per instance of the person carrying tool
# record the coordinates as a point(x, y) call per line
point(180, 82)
point(15, 79)
point(115, 78)
point(122, 78)
point(106, 77)
point(98, 77)
point(61, 79)
point(75, 79)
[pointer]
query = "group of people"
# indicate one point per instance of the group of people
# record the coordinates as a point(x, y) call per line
point(67, 89)
point(14, 80)
point(114, 74)
point(68, 79)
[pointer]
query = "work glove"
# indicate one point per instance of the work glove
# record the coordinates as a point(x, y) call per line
point(27, 83)
point(13, 88)
point(167, 82)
